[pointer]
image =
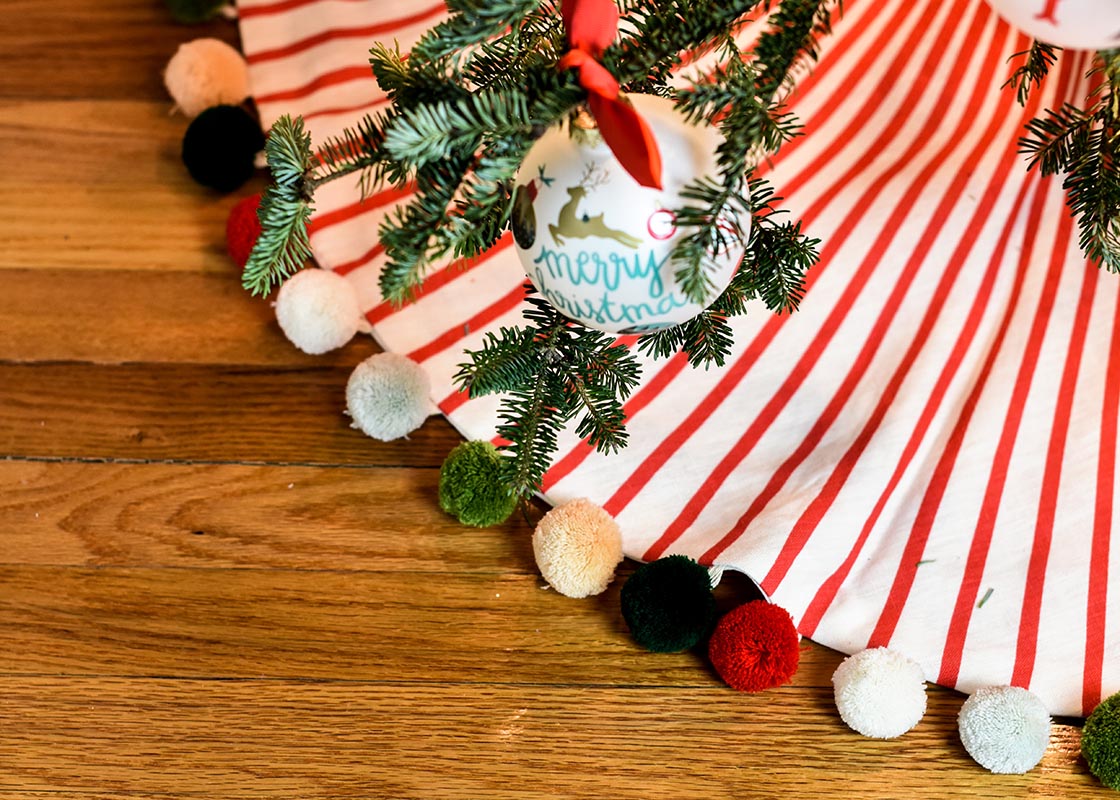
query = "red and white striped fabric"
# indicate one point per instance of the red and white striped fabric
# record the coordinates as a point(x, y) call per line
point(924, 455)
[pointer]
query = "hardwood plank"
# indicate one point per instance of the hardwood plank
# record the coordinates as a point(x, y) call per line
point(153, 515)
point(252, 623)
point(201, 412)
point(92, 48)
point(118, 317)
point(219, 739)
point(379, 626)
point(115, 169)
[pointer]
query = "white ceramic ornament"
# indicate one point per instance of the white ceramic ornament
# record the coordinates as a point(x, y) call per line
point(1076, 24)
point(595, 243)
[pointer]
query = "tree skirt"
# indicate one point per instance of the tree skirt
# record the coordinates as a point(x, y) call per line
point(924, 455)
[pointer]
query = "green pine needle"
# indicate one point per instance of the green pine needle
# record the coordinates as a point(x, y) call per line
point(283, 246)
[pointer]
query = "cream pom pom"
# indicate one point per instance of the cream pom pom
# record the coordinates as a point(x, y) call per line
point(318, 310)
point(577, 546)
point(880, 693)
point(1005, 729)
point(388, 396)
point(204, 73)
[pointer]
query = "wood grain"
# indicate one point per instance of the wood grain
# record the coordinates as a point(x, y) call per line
point(449, 741)
point(115, 316)
point(200, 412)
point(224, 517)
point(211, 587)
point(91, 48)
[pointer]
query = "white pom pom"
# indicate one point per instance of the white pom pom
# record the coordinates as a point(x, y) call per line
point(318, 310)
point(1005, 729)
point(880, 693)
point(205, 73)
point(577, 546)
point(389, 396)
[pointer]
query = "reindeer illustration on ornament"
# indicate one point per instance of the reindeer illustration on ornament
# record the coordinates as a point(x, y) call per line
point(573, 225)
point(570, 222)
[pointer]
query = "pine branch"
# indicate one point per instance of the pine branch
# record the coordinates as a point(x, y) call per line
point(753, 122)
point(434, 131)
point(472, 23)
point(1084, 144)
point(1030, 74)
point(792, 38)
point(283, 246)
point(551, 370)
point(777, 257)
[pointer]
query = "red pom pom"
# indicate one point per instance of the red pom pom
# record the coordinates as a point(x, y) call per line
point(242, 229)
point(754, 647)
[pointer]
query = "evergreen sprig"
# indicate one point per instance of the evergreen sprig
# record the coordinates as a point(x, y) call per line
point(285, 209)
point(1037, 61)
point(777, 257)
point(551, 372)
point(1084, 145)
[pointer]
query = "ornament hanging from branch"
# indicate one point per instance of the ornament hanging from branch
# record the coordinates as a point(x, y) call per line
point(488, 122)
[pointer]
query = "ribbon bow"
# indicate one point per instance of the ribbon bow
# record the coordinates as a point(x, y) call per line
point(592, 25)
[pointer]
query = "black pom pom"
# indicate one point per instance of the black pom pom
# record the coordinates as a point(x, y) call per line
point(220, 146)
point(194, 11)
point(668, 604)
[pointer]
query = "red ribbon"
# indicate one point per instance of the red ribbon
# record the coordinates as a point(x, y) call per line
point(592, 25)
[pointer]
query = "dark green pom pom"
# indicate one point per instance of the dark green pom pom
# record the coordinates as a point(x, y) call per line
point(192, 11)
point(471, 487)
point(220, 146)
point(1100, 742)
point(669, 604)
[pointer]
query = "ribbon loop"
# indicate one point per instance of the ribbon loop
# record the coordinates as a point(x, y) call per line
point(592, 26)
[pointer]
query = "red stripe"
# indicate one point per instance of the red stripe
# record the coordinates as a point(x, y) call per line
point(358, 109)
point(322, 221)
point(501, 306)
point(854, 288)
point(651, 388)
point(1027, 645)
point(989, 510)
point(935, 490)
point(333, 78)
point(279, 7)
point(366, 257)
point(437, 280)
point(334, 34)
point(837, 100)
point(453, 402)
point(811, 516)
point(814, 513)
point(1096, 611)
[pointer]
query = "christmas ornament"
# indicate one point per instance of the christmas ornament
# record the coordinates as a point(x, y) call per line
point(243, 228)
point(471, 487)
point(577, 546)
point(668, 604)
point(1076, 24)
point(318, 310)
point(205, 73)
point(755, 647)
point(220, 146)
point(1005, 729)
point(388, 396)
point(1100, 742)
point(595, 243)
point(880, 693)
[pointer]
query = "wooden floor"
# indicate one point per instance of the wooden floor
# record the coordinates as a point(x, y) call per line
point(211, 587)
